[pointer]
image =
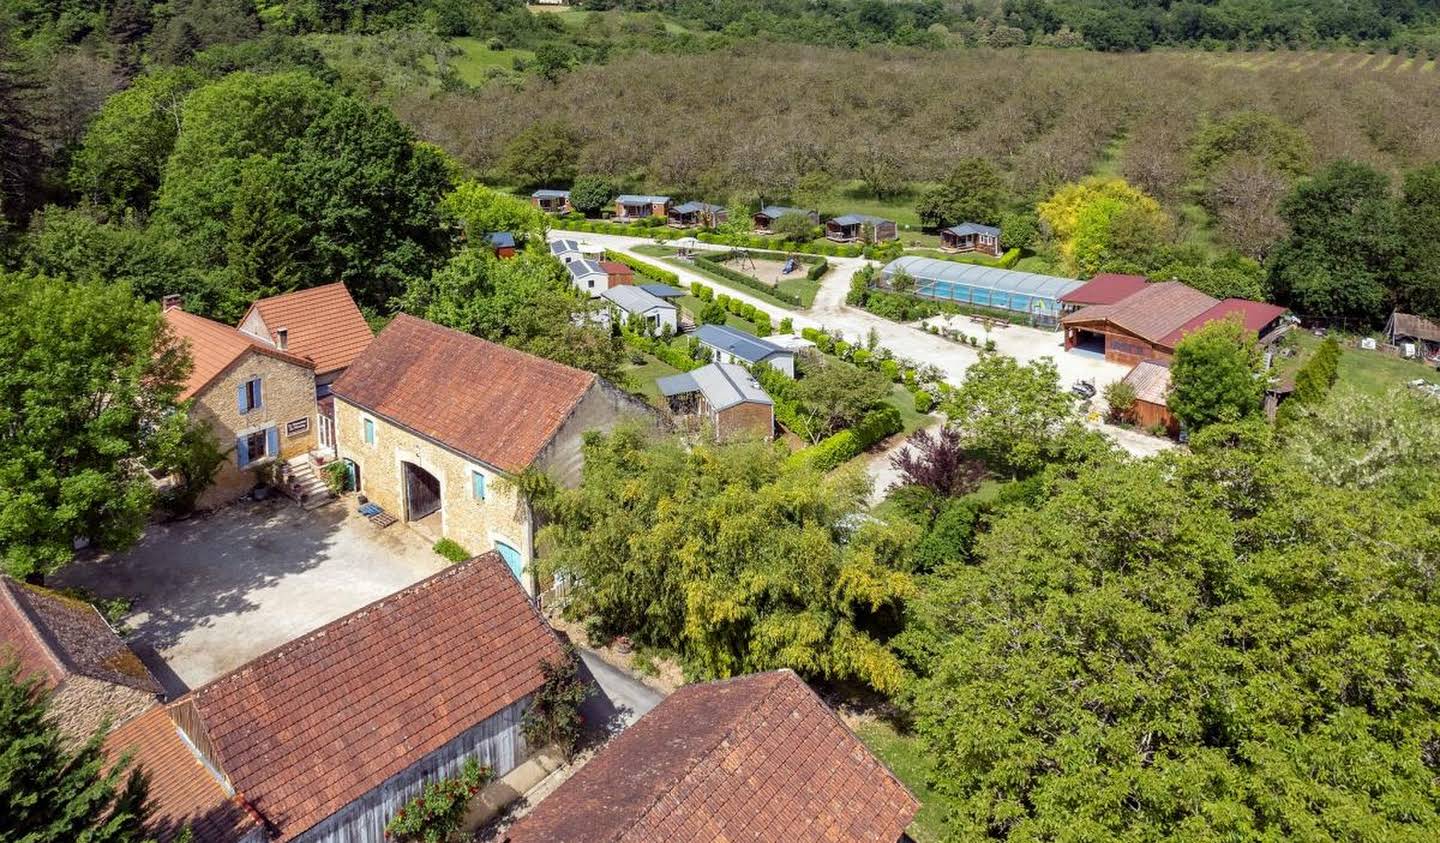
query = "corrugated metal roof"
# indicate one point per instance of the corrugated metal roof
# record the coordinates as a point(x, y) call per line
point(858, 219)
point(981, 277)
point(551, 194)
point(965, 228)
point(634, 300)
point(723, 384)
point(698, 208)
point(777, 211)
point(749, 348)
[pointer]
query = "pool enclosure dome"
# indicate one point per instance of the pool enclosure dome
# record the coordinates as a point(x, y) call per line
point(985, 286)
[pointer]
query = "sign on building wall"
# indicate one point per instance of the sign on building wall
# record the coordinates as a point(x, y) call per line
point(297, 427)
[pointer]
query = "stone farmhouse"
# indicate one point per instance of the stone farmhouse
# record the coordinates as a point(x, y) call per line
point(437, 424)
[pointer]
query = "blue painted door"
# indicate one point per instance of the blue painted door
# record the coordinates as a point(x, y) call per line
point(511, 557)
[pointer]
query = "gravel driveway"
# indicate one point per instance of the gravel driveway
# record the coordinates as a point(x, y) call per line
point(214, 592)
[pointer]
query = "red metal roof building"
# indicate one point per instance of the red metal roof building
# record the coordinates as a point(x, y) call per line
point(758, 758)
point(1105, 288)
point(1149, 323)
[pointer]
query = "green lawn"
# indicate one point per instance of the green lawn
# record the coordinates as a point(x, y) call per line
point(1370, 372)
point(904, 400)
point(476, 59)
point(644, 376)
point(693, 306)
point(905, 757)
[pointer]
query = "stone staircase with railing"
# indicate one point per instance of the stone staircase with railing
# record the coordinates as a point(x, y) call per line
point(305, 484)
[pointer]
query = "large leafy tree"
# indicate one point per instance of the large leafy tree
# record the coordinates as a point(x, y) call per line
point(1011, 415)
point(731, 556)
point(90, 381)
point(480, 211)
point(1216, 374)
point(974, 192)
point(1100, 221)
point(1418, 220)
point(1253, 134)
point(835, 396)
point(278, 182)
point(546, 153)
point(1196, 646)
point(1342, 252)
point(51, 792)
point(592, 194)
point(525, 302)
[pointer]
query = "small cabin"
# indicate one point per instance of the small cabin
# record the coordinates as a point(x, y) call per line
point(697, 215)
point(631, 206)
point(860, 228)
point(971, 237)
point(552, 201)
point(502, 243)
point(765, 219)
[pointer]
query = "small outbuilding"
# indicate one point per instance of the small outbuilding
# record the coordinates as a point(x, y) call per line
point(697, 215)
point(727, 345)
point(860, 228)
point(634, 206)
point(1421, 333)
point(502, 243)
point(566, 250)
point(552, 201)
point(1148, 324)
point(1151, 381)
point(971, 237)
point(755, 758)
point(767, 216)
point(589, 277)
point(632, 301)
point(725, 396)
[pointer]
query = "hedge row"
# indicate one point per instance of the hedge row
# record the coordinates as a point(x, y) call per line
point(664, 276)
point(680, 355)
point(749, 312)
point(830, 453)
point(775, 244)
point(818, 269)
point(711, 266)
point(1005, 261)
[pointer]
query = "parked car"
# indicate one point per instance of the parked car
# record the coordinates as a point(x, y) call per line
point(1085, 390)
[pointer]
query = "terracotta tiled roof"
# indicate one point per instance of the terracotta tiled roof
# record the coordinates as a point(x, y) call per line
point(1106, 288)
point(759, 758)
point(1254, 315)
point(182, 791)
point(215, 347)
point(1152, 313)
point(492, 403)
point(1151, 382)
point(321, 323)
point(57, 636)
point(315, 724)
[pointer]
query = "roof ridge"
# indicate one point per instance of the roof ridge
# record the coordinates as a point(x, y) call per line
point(46, 640)
point(403, 595)
point(723, 736)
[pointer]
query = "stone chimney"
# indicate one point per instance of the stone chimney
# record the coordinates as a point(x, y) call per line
point(172, 301)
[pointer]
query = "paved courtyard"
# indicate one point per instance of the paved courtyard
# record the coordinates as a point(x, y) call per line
point(214, 592)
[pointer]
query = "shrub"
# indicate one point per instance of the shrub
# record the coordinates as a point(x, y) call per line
point(834, 450)
point(336, 476)
point(451, 550)
point(553, 717)
point(891, 370)
point(701, 291)
point(811, 334)
point(924, 401)
point(818, 270)
point(1120, 396)
point(662, 275)
point(713, 313)
point(440, 808)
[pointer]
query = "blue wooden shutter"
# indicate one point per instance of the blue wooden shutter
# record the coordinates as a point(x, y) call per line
point(477, 483)
point(242, 452)
point(272, 442)
point(240, 403)
point(259, 393)
point(369, 432)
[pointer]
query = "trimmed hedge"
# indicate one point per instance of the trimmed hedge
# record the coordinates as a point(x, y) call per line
point(835, 450)
point(817, 270)
point(677, 354)
point(664, 276)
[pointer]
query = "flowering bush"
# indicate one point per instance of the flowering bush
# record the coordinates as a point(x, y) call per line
point(438, 811)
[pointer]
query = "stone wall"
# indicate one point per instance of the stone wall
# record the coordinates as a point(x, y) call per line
point(602, 408)
point(474, 525)
point(288, 393)
point(80, 704)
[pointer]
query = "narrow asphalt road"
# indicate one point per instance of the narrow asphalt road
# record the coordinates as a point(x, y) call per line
point(622, 698)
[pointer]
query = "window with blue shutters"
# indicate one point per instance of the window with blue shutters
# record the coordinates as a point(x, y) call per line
point(256, 446)
point(477, 485)
point(369, 429)
point(249, 396)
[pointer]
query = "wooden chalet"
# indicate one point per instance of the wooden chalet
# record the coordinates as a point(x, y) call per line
point(971, 237)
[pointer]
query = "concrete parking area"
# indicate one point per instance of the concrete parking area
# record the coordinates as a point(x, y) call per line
point(214, 592)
